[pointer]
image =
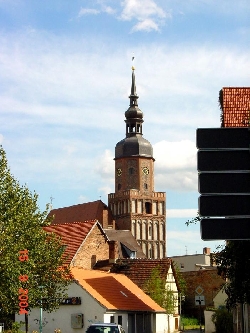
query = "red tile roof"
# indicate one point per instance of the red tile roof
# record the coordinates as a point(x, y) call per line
point(79, 213)
point(72, 235)
point(235, 104)
point(115, 291)
point(139, 270)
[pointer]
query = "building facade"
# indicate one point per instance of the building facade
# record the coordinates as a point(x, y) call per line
point(135, 205)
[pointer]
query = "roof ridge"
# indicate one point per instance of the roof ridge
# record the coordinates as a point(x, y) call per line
point(77, 222)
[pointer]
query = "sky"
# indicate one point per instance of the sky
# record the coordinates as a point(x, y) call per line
point(65, 78)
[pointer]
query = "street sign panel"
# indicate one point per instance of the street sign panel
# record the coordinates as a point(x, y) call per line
point(223, 163)
point(223, 160)
point(224, 182)
point(208, 138)
point(226, 228)
point(224, 205)
point(199, 300)
point(199, 290)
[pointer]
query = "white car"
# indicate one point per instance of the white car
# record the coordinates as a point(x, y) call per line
point(105, 328)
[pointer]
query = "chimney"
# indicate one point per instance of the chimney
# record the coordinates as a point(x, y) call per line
point(113, 251)
point(206, 250)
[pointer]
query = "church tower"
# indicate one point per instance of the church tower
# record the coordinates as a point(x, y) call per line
point(135, 205)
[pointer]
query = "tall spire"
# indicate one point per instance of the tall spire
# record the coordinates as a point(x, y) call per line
point(134, 144)
point(133, 96)
point(134, 116)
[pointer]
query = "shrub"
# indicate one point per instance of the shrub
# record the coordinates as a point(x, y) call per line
point(189, 321)
point(223, 320)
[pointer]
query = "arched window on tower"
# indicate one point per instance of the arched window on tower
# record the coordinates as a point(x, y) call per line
point(132, 128)
point(156, 249)
point(150, 251)
point(134, 228)
point(150, 231)
point(138, 229)
point(119, 186)
point(162, 231)
point(156, 230)
point(148, 208)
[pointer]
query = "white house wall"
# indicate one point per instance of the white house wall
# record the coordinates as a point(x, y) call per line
point(115, 315)
point(92, 312)
point(167, 323)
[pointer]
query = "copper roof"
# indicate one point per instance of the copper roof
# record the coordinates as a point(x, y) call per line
point(139, 270)
point(72, 235)
point(114, 291)
point(79, 213)
point(235, 105)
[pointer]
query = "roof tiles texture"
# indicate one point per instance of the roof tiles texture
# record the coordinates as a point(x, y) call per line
point(72, 235)
point(78, 213)
point(235, 107)
point(115, 291)
point(139, 270)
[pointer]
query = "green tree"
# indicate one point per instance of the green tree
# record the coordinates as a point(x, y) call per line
point(182, 285)
point(156, 288)
point(233, 264)
point(223, 321)
point(31, 263)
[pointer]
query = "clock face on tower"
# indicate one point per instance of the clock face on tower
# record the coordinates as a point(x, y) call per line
point(145, 170)
point(119, 172)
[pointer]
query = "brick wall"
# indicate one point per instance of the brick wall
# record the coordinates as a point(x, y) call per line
point(208, 280)
point(94, 248)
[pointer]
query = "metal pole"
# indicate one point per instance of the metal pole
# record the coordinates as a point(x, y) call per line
point(200, 315)
point(41, 311)
point(41, 317)
point(180, 311)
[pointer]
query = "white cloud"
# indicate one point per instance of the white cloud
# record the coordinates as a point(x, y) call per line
point(145, 25)
point(184, 213)
point(109, 10)
point(88, 11)
point(184, 242)
point(175, 165)
point(175, 155)
point(104, 164)
point(141, 9)
point(149, 15)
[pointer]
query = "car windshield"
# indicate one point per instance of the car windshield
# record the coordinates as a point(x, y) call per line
point(102, 329)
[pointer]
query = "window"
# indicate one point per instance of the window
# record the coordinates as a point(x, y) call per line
point(148, 209)
point(131, 171)
point(150, 252)
point(119, 186)
point(149, 230)
point(145, 186)
point(119, 320)
point(112, 319)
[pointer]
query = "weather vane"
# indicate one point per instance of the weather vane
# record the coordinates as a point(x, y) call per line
point(133, 67)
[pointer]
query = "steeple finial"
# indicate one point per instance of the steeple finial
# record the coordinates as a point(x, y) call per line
point(133, 67)
point(133, 96)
